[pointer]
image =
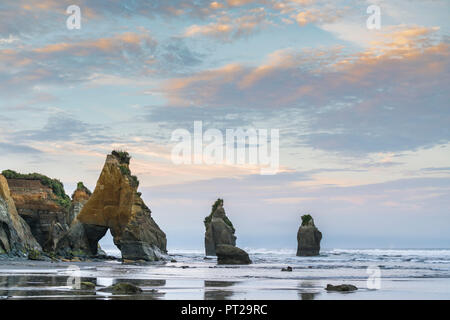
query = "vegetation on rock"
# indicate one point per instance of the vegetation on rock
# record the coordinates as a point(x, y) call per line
point(213, 209)
point(122, 156)
point(82, 187)
point(57, 186)
point(306, 219)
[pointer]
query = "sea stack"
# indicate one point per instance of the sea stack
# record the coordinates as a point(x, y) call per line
point(220, 240)
point(43, 204)
point(308, 237)
point(115, 204)
point(15, 234)
point(219, 229)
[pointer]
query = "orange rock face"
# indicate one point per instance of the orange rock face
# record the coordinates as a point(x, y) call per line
point(111, 204)
point(115, 204)
point(38, 206)
point(15, 234)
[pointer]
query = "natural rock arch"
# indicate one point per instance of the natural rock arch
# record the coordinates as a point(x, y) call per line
point(115, 204)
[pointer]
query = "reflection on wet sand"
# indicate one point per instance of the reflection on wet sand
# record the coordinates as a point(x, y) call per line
point(214, 291)
point(308, 290)
point(55, 287)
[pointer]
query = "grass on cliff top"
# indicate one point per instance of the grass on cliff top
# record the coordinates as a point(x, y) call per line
point(124, 160)
point(57, 186)
point(123, 156)
point(305, 219)
point(213, 209)
point(82, 187)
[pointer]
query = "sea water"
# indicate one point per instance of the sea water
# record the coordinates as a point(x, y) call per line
point(401, 274)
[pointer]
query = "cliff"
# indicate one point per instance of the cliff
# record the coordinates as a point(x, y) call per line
point(43, 204)
point(308, 237)
point(116, 205)
point(15, 235)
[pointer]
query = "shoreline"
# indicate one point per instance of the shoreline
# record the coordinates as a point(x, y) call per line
point(424, 276)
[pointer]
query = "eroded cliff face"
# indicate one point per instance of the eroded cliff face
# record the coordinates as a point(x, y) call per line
point(39, 207)
point(219, 229)
point(15, 234)
point(116, 205)
point(308, 238)
point(78, 240)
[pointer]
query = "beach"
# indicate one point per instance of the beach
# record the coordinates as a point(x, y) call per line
point(404, 274)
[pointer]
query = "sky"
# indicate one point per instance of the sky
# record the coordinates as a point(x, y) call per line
point(363, 114)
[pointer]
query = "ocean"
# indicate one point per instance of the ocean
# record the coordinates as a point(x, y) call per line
point(378, 274)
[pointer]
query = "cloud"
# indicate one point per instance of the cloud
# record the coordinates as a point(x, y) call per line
point(363, 102)
point(17, 148)
point(228, 28)
point(75, 61)
point(269, 208)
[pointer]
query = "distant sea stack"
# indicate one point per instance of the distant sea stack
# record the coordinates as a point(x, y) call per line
point(308, 237)
point(15, 234)
point(115, 204)
point(42, 203)
point(219, 229)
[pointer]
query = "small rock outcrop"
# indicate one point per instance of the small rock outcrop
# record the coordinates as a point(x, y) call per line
point(341, 288)
point(219, 229)
point(227, 254)
point(15, 235)
point(43, 204)
point(115, 204)
point(123, 288)
point(308, 237)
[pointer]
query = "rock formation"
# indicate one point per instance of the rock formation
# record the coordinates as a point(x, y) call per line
point(15, 234)
point(77, 241)
point(219, 229)
point(220, 239)
point(116, 205)
point(228, 254)
point(308, 237)
point(43, 204)
point(341, 287)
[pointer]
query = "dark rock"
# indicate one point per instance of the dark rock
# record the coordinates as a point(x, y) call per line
point(341, 288)
point(87, 286)
point(123, 288)
point(308, 238)
point(173, 260)
point(219, 229)
point(35, 255)
point(228, 254)
point(288, 269)
point(81, 239)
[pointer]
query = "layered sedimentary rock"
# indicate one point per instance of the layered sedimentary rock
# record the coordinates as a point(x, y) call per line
point(116, 205)
point(15, 235)
point(308, 238)
point(219, 229)
point(46, 213)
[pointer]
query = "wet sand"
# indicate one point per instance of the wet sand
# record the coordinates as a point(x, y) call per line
point(45, 280)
